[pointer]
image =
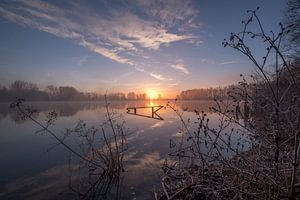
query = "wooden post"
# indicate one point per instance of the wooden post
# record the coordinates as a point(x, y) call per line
point(152, 112)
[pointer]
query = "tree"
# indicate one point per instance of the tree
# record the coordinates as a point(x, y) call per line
point(293, 18)
point(2, 87)
point(131, 96)
point(23, 85)
point(52, 91)
point(253, 158)
point(68, 93)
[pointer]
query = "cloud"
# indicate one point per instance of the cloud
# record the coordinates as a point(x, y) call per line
point(139, 33)
point(82, 60)
point(57, 25)
point(157, 125)
point(228, 62)
point(157, 76)
point(120, 35)
point(170, 12)
point(181, 67)
point(208, 61)
point(173, 84)
point(195, 41)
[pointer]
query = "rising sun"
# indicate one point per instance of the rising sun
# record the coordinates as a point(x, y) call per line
point(152, 94)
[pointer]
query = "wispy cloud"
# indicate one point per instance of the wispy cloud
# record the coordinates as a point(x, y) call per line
point(82, 60)
point(170, 12)
point(118, 36)
point(195, 41)
point(173, 84)
point(179, 65)
point(228, 62)
point(157, 124)
point(208, 61)
point(157, 76)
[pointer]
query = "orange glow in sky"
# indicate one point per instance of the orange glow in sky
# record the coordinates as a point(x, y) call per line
point(152, 94)
point(144, 48)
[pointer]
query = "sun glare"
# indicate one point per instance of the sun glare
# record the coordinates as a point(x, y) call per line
point(152, 94)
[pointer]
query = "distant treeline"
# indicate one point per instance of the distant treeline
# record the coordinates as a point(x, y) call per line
point(205, 93)
point(31, 92)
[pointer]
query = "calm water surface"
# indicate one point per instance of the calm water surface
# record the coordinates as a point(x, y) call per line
point(31, 169)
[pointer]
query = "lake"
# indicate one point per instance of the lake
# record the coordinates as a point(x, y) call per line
point(34, 167)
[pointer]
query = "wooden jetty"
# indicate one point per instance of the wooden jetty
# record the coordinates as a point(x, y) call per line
point(154, 109)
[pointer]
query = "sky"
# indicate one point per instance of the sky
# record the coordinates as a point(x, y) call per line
point(127, 45)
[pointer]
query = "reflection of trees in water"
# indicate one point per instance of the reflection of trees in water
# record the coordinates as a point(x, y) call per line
point(4, 110)
point(100, 154)
point(192, 106)
point(68, 109)
point(63, 109)
point(19, 118)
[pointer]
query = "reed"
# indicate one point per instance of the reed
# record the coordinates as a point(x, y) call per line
point(101, 151)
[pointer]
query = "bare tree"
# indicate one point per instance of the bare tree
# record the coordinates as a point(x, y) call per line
point(253, 153)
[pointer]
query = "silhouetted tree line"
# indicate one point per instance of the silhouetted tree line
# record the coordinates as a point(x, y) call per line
point(205, 93)
point(134, 96)
point(31, 92)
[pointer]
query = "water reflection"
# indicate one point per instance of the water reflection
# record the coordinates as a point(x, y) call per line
point(68, 109)
point(48, 184)
point(27, 171)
